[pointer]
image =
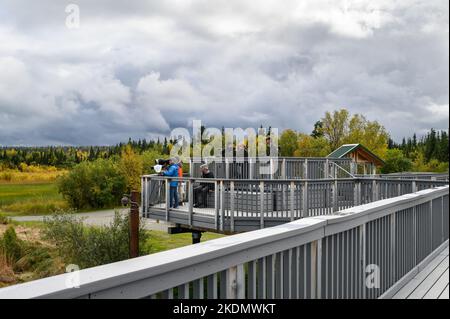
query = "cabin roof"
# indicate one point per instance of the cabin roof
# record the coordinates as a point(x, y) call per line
point(346, 149)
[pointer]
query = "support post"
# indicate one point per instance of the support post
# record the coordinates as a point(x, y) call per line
point(305, 169)
point(374, 191)
point(356, 193)
point(261, 212)
point(362, 247)
point(292, 195)
point(232, 206)
point(196, 237)
point(216, 205)
point(190, 202)
point(222, 205)
point(316, 260)
point(335, 196)
point(134, 225)
point(393, 246)
point(167, 198)
point(143, 192)
point(232, 282)
point(305, 200)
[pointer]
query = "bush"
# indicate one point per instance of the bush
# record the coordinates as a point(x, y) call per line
point(30, 258)
point(395, 161)
point(95, 184)
point(6, 269)
point(4, 220)
point(12, 246)
point(90, 246)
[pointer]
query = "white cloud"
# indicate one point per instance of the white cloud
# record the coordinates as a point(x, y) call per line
point(141, 68)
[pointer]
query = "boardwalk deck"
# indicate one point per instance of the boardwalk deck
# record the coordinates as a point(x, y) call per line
point(431, 282)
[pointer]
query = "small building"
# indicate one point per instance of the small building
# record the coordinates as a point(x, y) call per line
point(365, 161)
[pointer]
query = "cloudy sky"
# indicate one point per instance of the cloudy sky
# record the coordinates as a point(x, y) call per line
point(141, 68)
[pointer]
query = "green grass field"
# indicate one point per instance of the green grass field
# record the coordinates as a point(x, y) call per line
point(30, 199)
point(161, 241)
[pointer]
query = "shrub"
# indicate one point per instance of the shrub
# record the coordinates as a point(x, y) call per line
point(4, 220)
point(90, 246)
point(12, 246)
point(6, 269)
point(395, 161)
point(95, 184)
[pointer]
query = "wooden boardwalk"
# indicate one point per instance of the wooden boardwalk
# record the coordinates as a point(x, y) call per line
point(430, 283)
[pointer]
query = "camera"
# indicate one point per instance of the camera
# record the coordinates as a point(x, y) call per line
point(161, 164)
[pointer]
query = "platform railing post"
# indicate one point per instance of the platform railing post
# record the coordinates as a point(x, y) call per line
point(305, 169)
point(143, 204)
point(316, 269)
point(356, 193)
point(393, 248)
point(335, 196)
point(374, 190)
point(216, 205)
point(232, 206)
point(167, 198)
point(261, 212)
point(190, 201)
point(292, 195)
point(222, 205)
point(134, 225)
point(431, 226)
point(305, 200)
point(362, 247)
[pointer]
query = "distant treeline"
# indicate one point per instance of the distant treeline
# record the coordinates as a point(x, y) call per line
point(432, 146)
point(68, 156)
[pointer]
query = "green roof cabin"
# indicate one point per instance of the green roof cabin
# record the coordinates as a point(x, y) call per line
point(366, 161)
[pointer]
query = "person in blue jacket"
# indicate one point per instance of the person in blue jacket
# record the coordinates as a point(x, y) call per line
point(172, 171)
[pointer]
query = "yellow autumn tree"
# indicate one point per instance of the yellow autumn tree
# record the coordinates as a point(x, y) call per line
point(371, 134)
point(308, 146)
point(341, 128)
point(131, 166)
point(335, 127)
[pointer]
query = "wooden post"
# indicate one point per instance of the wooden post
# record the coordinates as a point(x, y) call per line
point(134, 225)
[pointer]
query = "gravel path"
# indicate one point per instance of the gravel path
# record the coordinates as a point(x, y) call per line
point(99, 218)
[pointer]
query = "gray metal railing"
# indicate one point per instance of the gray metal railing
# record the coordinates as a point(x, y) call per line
point(420, 176)
point(241, 205)
point(358, 253)
point(276, 168)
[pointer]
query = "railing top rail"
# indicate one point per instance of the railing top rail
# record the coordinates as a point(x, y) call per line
point(199, 179)
point(122, 278)
point(357, 178)
point(280, 157)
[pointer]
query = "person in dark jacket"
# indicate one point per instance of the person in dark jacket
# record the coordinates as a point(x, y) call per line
point(201, 191)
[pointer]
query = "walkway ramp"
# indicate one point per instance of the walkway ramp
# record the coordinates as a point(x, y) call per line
point(431, 282)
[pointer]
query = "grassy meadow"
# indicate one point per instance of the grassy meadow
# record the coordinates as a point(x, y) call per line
point(30, 199)
point(30, 191)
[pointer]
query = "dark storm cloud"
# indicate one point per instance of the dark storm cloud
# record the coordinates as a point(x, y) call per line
point(141, 68)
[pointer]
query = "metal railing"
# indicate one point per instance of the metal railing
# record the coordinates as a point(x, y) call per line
point(267, 168)
point(241, 205)
point(421, 176)
point(358, 253)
